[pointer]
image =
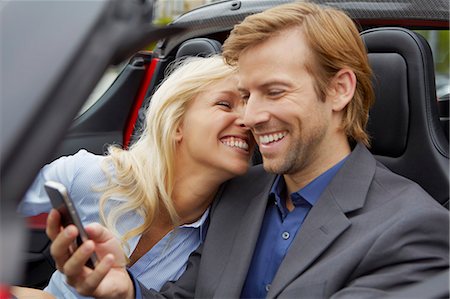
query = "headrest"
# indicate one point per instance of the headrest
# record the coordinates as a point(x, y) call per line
point(389, 117)
point(404, 89)
point(199, 47)
point(404, 122)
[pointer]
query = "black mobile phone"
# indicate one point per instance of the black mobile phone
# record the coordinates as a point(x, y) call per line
point(61, 201)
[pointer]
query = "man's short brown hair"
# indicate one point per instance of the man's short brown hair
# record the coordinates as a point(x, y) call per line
point(334, 42)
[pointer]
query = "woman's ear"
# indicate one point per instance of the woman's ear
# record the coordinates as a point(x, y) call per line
point(342, 89)
point(179, 133)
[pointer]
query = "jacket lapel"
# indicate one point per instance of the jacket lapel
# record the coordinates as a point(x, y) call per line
point(327, 219)
point(244, 243)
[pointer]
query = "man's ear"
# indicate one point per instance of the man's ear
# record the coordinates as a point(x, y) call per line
point(342, 88)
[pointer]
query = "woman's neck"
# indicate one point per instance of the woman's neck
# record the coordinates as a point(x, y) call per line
point(192, 195)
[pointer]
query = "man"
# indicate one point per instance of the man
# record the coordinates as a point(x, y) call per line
point(334, 222)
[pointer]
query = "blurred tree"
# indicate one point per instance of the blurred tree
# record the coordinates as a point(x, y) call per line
point(439, 42)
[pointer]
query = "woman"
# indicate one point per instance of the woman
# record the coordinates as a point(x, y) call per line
point(155, 196)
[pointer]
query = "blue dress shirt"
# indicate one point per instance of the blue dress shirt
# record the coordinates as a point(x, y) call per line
point(279, 228)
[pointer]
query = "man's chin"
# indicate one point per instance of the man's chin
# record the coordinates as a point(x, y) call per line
point(272, 167)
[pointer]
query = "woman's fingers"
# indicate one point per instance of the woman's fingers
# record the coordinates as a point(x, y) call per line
point(86, 281)
point(98, 233)
point(93, 280)
point(75, 265)
point(53, 227)
point(60, 248)
point(106, 243)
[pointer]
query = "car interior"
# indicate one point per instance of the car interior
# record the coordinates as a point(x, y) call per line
point(404, 124)
point(408, 125)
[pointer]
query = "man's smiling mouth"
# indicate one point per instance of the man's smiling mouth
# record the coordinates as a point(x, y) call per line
point(270, 138)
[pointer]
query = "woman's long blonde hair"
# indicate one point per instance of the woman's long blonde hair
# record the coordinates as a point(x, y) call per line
point(143, 176)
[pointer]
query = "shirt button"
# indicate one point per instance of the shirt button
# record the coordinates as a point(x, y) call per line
point(285, 235)
point(267, 287)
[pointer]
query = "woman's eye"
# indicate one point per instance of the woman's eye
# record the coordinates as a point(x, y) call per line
point(224, 103)
point(245, 97)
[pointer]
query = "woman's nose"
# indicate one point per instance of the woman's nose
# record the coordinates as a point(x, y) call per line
point(240, 119)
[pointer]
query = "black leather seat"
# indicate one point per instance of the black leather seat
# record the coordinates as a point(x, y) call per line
point(404, 123)
point(199, 47)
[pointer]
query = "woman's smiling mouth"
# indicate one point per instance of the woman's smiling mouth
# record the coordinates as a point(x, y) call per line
point(235, 142)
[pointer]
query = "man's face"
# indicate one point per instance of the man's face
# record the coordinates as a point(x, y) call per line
point(290, 123)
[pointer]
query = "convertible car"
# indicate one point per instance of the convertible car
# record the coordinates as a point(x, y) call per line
point(55, 52)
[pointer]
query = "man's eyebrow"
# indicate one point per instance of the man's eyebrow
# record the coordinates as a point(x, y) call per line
point(267, 85)
point(275, 82)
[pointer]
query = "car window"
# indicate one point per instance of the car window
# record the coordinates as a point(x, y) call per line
point(164, 12)
point(439, 43)
point(102, 86)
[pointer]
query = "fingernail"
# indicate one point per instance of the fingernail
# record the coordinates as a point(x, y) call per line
point(109, 259)
point(88, 246)
point(69, 231)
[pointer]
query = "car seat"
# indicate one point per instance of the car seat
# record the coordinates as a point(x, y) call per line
point(404, 123)
point(199, 47)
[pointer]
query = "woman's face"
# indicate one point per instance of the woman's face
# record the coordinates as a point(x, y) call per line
point(212, 138)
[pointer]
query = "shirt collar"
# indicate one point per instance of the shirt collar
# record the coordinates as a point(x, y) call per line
point(310, 193)
point(199, 222)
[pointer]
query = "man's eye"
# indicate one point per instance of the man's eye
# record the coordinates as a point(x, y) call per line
point(275, 92)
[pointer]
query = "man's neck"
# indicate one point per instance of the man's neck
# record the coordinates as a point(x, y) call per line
point(315, 167)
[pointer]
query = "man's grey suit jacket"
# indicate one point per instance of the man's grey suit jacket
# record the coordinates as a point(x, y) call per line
point(370, 232)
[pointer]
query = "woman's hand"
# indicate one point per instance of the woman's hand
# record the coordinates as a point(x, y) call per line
point(109, 279)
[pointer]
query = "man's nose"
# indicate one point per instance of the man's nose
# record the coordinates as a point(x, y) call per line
point(256, 112)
